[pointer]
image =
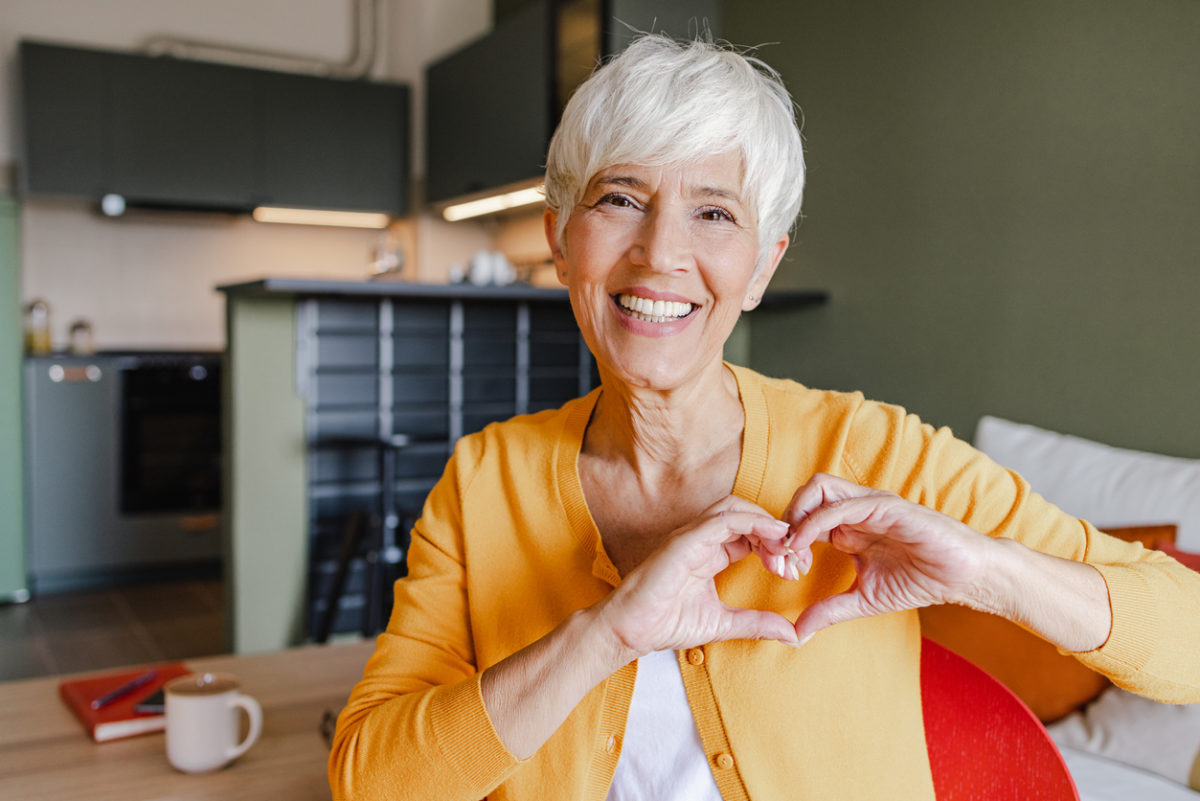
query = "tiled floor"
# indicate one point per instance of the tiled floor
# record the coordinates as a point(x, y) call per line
point(134, 624)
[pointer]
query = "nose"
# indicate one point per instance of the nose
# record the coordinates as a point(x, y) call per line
point(663, 244)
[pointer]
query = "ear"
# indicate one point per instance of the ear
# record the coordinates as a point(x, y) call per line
point(762, 277)
point(550, 221)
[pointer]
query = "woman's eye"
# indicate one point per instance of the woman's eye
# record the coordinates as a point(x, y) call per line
point(716, 214)
point(620, 201)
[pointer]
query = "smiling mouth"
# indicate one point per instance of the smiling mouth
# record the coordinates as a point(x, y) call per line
point(653, 311)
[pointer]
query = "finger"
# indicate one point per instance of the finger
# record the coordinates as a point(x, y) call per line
point(849, 525)
point(828, 612)
point(819, 489)
point(818, 492)
point(768, 541)
point(729, 525)
point(753, 624)
point(734, 533)
point(734, 503)
point(776, 559)
point(738, 549)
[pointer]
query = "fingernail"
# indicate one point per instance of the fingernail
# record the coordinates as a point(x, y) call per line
point(787, 542)
point(795, 644)
point(793, 570)
point(780, 525)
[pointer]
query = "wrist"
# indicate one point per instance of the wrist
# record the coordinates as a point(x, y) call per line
point(992, 590)
point(603, 638)
point(1061, 600)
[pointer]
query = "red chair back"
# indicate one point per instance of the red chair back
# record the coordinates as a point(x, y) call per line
point(983, 741)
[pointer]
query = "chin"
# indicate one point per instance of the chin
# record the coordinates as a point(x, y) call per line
point(660, 374)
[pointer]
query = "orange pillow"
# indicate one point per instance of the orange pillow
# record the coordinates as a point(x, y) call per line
point(1185, 558)
point(1051, 684)
point(1149, 536)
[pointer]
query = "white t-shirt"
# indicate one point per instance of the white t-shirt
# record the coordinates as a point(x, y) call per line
point(662, 758)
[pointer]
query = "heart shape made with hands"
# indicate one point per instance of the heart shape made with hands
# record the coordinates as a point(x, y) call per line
point(905, 555)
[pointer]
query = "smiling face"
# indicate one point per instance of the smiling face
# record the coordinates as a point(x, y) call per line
point(660, 263)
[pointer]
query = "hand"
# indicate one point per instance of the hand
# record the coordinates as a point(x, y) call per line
point(670, 601)
point(906, 555)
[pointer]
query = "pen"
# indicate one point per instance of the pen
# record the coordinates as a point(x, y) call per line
point(124, 689)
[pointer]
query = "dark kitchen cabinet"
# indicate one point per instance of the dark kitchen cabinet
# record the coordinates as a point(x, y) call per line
point(338, 144)
point(173, 133)
point(182, 132)
point(492, 106)
point(66, 112)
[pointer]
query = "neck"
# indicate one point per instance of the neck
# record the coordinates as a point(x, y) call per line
point(675, 430)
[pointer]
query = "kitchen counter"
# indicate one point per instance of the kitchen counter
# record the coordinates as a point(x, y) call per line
point(319, 373)
point(403, 289)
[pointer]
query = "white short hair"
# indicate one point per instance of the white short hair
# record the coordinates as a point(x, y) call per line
point(662, 102)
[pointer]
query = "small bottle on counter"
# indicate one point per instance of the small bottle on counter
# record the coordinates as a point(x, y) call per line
point(81, 341)
point(37, 328)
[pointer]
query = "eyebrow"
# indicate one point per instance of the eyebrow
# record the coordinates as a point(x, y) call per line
point(716, 191)
point(637, 183)
point(621, 180)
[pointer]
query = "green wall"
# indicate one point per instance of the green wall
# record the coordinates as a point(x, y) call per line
point(1004, 202)
point(12, 493)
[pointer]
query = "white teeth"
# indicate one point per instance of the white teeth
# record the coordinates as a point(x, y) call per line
point(653, 311)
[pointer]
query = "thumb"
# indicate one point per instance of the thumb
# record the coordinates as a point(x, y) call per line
point(828, 612)
point(753, 624)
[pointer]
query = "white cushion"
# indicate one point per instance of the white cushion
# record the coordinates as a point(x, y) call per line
point(1160, 738)
point(1104, 485)
point(1100, 779)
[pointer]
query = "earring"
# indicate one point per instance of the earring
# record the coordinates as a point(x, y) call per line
point(752, 298)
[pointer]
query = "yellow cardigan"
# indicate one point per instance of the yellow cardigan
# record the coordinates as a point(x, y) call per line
point(506, 549)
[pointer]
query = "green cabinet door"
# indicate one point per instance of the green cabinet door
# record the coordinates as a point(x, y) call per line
point(12, 515)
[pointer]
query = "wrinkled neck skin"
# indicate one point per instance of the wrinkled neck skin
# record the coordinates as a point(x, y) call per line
point(663, 433)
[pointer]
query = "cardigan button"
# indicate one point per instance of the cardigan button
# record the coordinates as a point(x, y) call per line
point(724, 761)
point(610, 745)
point(695, 656)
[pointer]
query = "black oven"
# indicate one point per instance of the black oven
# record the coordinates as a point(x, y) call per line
point(170, 433)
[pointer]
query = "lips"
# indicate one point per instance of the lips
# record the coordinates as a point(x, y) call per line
point(650, 310)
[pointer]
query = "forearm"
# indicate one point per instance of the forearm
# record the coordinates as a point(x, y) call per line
point(530, 694)
point(1063, 601)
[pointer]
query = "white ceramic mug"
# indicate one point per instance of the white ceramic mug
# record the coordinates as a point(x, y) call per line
point(203, 717)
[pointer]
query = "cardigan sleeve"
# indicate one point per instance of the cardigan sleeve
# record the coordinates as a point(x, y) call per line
point(415, 726)
point(1155, 601)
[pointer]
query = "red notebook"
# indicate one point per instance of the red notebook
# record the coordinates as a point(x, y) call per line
point(118, 718)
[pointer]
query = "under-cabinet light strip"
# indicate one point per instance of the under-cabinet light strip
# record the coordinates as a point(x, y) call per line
point(344, 219)
point(493, 204)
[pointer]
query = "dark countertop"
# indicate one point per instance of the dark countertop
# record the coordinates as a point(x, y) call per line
point(389, 289)
point(132, 357)
point(309, 287)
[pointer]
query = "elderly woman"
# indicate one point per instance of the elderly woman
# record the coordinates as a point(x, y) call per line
point(697, 582)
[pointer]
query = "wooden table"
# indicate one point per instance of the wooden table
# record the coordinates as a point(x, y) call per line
point(45, 753)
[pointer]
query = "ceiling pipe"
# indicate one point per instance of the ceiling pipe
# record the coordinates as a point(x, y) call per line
point(364, 26)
